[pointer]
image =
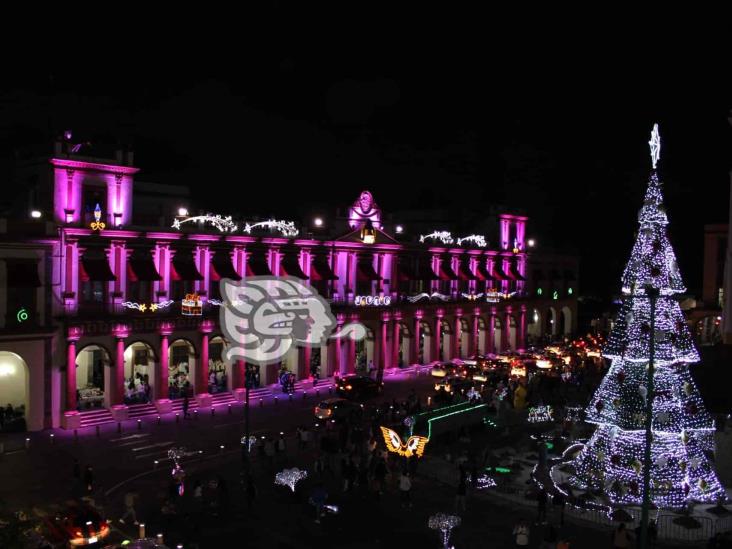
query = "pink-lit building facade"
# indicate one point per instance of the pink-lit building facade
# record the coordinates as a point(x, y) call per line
point(123, 316)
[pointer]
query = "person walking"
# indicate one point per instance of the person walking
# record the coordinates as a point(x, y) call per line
point(405, 489)
point(251, 491)
point(621, 537)
point(130, 508)
point(462, 488)
point(541, 499)
point(186, 405)
point(521, 534)
point(89, 478)
point(318, 499)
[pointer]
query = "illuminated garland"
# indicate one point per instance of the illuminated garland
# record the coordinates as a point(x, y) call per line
point(444, 523)
point(443, 236)
point(423, 295)
point(540, 414)
point(287, 228)
point(144, 307)
point(223, 224)
point(477, 239)
point(683, 431)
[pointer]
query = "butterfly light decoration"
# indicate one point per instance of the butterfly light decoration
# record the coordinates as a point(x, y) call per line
point(414, 446)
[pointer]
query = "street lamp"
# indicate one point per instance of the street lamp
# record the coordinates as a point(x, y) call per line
point(318, 221)
point(531, 242)
point(182, 212)
point(399, 229)
point(36, 214)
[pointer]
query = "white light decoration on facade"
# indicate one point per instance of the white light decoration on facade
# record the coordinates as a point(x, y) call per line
point(443, 236)
point(485, 481)
point(683, 430)
point(372, 300)
point(147, 307)
point(290, 477)
point(286, 228)
point(223, 224)
point(540, 414)
point(216, 302)
point(423, 295)
point(477, 239)
point(655, 144)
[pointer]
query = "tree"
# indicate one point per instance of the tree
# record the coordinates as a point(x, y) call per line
point(682, 446)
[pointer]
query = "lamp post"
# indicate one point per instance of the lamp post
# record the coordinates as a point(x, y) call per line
point(652, 294)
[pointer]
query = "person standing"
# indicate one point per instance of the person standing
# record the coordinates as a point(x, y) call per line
point(405, 489)
point(130, 508)
point(521, 534)
point(541, 499)
point(460, 494)
point(186, 404)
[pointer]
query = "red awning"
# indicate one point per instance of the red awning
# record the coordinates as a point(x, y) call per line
point(446, 272)
point(222, 267)
point(257, 266)
point(320, 270)
point(514, 272)
point(290, 266)
point(464, 272)
point(142, 269)
point(405, 273)
point(365, 271)
point(183, 268)
point(498, 274)
point(96, 268)
point(424, 271)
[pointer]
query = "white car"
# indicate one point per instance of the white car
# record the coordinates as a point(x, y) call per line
point(333, 408)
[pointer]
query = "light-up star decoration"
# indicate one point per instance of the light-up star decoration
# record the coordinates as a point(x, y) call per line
point(655, 144)
point(413, 447)
point(223, 224)
point(444, 523)
point(290, 477)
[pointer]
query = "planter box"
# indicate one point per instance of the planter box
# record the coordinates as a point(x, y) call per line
point(71, 420)
point(204, 400)
point(120, 412)
point(164, 405)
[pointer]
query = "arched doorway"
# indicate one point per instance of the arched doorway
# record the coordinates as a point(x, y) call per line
point(93, 368)
point(482, 335)
point(464, 338)
point(181, 368)
point(424, 353)
point(566, 324)
point(364, 349)
point(445, 352)
point(497, 328)
point(552, 324)
point(533, 328)
point(405, 343)
point(218, 373)
point(140, 363)
point(14, 392)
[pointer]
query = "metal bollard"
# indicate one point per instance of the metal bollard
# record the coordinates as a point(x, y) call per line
point(276, 400)
point(159, 539)
point(159, 420)
point(317, 392)
point(119, 426)
point(304, 395)
point(53, 438)
point(97, 428)
point(155, 464)
point(289, 396)
point(261, 402)
point(139, 424)
point(177, 417)
point(330, 390)
point(213, 411)
point(195, 414)
point(221, 448)
point(142, 530)
point(27, 443)
point(229, 408)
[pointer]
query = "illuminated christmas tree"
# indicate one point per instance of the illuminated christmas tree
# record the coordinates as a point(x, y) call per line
point(682, 430)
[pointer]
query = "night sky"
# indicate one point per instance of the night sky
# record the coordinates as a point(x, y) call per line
point(555, 132)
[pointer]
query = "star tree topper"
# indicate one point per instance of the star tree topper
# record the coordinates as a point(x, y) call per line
point(655, 144)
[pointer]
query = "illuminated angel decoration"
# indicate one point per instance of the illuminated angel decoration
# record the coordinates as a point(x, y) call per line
point(655, 144)
point(414, 446)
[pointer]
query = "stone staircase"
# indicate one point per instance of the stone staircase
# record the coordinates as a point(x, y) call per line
point(91, 418)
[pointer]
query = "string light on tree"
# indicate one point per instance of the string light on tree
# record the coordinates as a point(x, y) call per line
point(444, 523)
point(682, 429)
point(290, 477)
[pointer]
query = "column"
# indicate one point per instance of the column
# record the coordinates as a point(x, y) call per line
point(206, 327)
point(474, 343)
point(506, 330)
point(303, 362)
point(338, 363)
point(395, 347)
point(350, 361)
point(438, 334)
point(120, 331)
point(416, 338)
point(521, 336)
point(491, 343)
point(382, 361)
point(456, 347)
point(161, 378)
point(73, 335)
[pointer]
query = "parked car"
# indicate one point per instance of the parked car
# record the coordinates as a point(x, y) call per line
point(443, 369)
point(77, 526)
point(453, 384)
point(357, 387)
point(334, 408)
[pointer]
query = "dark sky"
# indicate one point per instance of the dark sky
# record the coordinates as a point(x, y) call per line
point(560, 132)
